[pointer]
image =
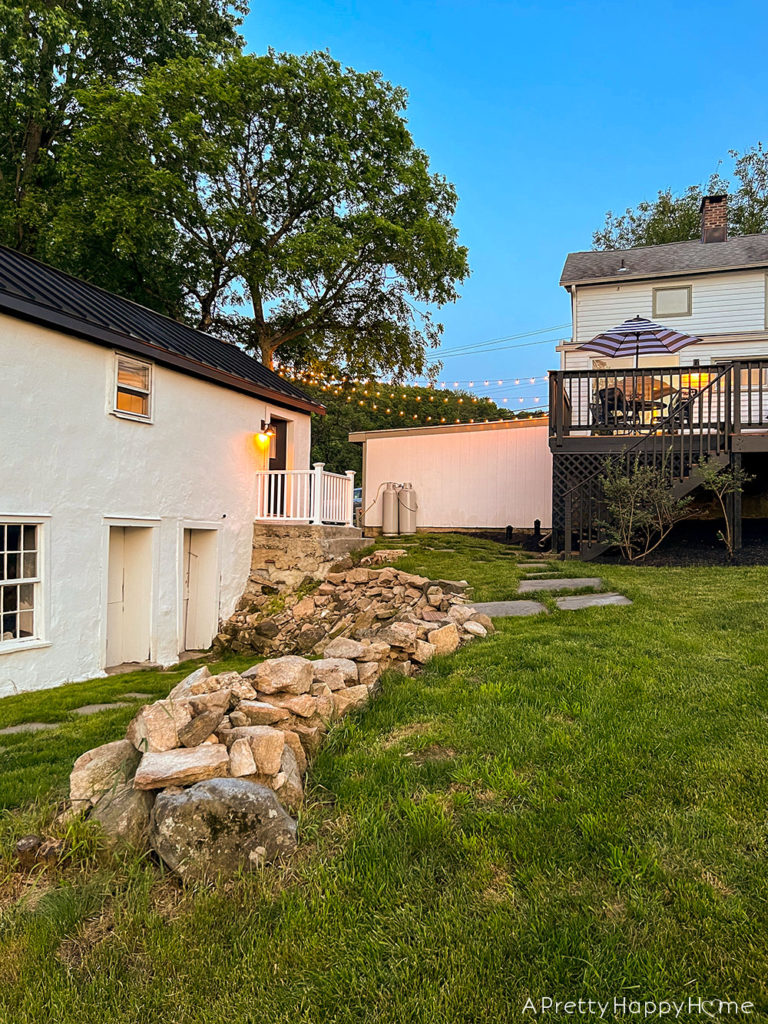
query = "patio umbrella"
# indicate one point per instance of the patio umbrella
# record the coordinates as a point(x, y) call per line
point(637, 337)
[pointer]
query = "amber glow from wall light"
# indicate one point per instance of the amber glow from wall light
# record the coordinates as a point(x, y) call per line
point(695, 380)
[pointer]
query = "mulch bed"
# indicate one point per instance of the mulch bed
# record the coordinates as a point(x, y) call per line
point(695, 542)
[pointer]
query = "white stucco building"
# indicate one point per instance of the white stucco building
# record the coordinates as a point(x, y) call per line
point(129, 479)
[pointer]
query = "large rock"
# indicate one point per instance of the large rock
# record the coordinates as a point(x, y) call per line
point(331, 670)
point(200, 727)
point(241, 762)
point(305, 705)
point(266, 745)
point(342, 647)
point(101, 770)
point(156, 726)
point(200, 681)
point(290, 674)
point(376, 651)
point(445, 639)
point(258, 712)
point(399, 634)
point(351, 699)
point(220, 827)
point(124, 816)
point(182, 767)
point(291, 790)
point(423, 651)
point(460, 613)
point(475, 628)
point(292, 740)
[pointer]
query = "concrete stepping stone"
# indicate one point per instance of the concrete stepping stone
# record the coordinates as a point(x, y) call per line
point(509, 609)
point(11, 730)
point(569, 604)
point(560, 583)
point(549, 575)
point(533, 565)
point(91, 709)
point(132, 695)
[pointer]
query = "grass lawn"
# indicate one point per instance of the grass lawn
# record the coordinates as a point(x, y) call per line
point(574, 808)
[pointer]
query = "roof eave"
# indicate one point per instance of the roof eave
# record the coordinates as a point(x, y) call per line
point(34, 313)
point(691, 272)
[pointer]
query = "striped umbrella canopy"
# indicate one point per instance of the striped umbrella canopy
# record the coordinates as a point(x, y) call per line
point(637, 337)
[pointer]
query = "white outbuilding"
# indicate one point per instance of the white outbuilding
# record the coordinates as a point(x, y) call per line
point(134, 452)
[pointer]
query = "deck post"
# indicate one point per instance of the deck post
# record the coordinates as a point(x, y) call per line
point(568, 538)
point(735, 506)
point(316, 506)
point(350, 506)
point(736, 407)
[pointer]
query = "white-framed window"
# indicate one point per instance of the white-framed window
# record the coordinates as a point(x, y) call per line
point(133, 388)
point(672, 301)
point(19, 582)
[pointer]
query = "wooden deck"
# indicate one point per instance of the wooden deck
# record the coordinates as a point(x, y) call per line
point(673, 417)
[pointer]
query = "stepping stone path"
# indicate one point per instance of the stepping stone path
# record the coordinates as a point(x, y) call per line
point(137, 696)
point(560, 583)
point(569, 604)
point(508, 609)
point(533, 565)
point(91, 709)
point(11, 730)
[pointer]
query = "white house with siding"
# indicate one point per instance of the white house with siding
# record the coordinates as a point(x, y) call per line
point(134, 453)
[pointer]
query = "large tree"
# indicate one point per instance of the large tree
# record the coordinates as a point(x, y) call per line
point(675, 217)
point(49, 51)
point(283, 195)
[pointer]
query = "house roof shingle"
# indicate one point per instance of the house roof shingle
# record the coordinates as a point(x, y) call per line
point(35, 291)
point(672, 259)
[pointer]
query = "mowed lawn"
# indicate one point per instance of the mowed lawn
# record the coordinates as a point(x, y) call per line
point(573, 808)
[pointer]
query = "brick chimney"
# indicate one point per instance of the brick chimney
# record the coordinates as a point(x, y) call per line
point(714, 218)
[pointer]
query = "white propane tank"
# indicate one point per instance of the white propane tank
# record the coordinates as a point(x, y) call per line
point(389, 510)
point(406, 497)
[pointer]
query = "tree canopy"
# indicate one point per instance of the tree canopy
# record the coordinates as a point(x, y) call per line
point(674, 217)
point(49, 52)
point(277, 200)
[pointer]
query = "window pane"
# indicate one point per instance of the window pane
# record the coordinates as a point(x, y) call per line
point(30, 538)
point(128, 401)
point(13, 536)
point(133, 375)
point(9, 627)
point(672, 301)
point(12, 566)
point(10, 599)
point(30, 564)
point(26, 624)
point(26, 596)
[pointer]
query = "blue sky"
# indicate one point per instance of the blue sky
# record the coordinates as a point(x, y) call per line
point(545, 115)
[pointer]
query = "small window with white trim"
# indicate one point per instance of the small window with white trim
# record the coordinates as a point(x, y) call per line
point(672, 301)
point(133, 388)
point(19, 581)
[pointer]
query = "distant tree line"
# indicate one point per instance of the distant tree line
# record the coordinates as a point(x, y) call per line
point(674, 217)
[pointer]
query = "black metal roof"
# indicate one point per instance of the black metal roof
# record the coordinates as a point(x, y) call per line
point(35, 291)
point(672, 259)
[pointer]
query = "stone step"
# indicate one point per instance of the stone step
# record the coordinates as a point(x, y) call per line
point(508, 609)
point(537, 586)
point(569, 604)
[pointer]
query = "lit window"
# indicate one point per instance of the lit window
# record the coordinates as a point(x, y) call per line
point(672, 301)
point(19, 581)
point(133, 387)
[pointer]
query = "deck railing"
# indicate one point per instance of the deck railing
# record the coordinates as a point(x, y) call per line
point(629, 402)
point(305, 496)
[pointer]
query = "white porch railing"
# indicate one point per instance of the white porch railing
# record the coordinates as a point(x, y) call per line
point(305, 496)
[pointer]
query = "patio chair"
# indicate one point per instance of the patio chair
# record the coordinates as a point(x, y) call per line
point(611, 409)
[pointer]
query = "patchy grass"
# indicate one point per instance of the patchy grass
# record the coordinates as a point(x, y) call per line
point(575, 807)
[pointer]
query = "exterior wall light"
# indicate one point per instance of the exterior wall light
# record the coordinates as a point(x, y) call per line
point(266, 433)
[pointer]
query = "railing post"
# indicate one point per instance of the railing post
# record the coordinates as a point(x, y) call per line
point(736, 409)
point(350, 499)
point(316, 505)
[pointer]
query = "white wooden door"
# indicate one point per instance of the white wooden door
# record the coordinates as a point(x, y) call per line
point(201, 588)
point(129, 594)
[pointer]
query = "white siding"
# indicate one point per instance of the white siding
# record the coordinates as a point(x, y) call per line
point(468, 478)
point(67, 460)
point(722, 304)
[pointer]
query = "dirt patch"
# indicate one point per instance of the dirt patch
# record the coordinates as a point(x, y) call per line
point(434, 752)
point(404, 732)
point(22, 888)
point(95, 930)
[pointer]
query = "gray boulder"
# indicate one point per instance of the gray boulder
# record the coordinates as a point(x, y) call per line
point(219, 827)
point(123, 814)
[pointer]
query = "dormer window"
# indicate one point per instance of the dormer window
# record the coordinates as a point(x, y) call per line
point(671, 302)
point(133, 388)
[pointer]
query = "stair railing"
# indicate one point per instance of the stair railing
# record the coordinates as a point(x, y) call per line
point(697, 426)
